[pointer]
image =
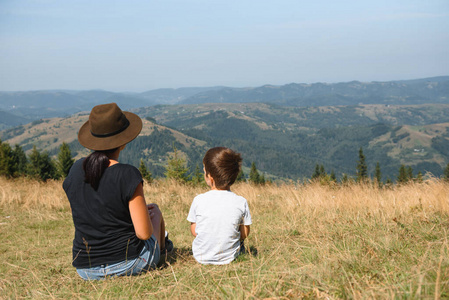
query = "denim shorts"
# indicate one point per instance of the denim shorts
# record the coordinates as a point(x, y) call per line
point(147, 259)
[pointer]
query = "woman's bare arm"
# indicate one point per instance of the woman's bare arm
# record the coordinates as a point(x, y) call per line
point(139, 214)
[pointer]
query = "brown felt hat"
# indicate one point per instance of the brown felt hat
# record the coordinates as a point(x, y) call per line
point(109, 127)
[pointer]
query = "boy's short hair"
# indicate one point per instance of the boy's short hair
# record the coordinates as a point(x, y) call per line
point(223, 164)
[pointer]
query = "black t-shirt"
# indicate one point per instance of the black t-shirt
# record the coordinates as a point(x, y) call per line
point(104, 233)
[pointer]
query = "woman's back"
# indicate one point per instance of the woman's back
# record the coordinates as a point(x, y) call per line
point(104, 232)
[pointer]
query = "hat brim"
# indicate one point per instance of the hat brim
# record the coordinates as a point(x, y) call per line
point(86, 139)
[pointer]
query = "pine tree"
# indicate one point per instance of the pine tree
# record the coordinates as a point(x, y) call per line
point(198, 176)
point(446, 172)
point(409, 173)
point(41, 166)
point(34, 165)
point(262, 179)
point(317, 172)
point(176, 167)
point(419, 177)
point(240, 176)
point(146, 174)
point(47, 167)
point(378, 174)
point(20, 161)
point(65, 160)
point(254, 176)
point(362, 168)
point(403, 176)
point(6, 160)
point(333, 177)
point(322, 171)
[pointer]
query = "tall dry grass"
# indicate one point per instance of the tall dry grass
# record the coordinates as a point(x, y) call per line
point(430, 196)
point(313, 241)
point(29, 194)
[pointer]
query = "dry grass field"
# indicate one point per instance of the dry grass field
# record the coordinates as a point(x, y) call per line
point(307, 241)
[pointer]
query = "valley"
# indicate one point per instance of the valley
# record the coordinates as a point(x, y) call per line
point(284, 142)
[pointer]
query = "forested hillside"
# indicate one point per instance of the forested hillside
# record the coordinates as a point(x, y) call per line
point(289, 142)
point(153, 145)
point(7, 120)
point(284, 142)
point(282, 117)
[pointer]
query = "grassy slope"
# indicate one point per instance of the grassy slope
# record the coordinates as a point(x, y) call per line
point(417, 145)
point(276, 130)
point(50, 133)
point(424, 123)
point(311, 241)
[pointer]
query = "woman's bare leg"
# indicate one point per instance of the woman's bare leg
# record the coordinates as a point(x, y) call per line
point(158, 224)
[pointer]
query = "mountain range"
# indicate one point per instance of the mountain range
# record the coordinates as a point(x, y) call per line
point(26, 106)
point(284, 142)
point(286, 130)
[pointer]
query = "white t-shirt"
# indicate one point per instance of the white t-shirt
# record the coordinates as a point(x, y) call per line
point(218, 216)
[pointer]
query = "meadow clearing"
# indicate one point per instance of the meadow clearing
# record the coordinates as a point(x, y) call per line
point(307, 241)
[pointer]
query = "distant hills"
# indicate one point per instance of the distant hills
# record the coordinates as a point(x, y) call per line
point(34, 105)
point(285, 142)
point(420, 91)
point(286, 130)
point(10, 120)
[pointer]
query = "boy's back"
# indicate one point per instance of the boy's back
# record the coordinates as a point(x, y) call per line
point(218, 215)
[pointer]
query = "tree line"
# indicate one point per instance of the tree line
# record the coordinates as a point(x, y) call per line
point(39, 165)
point(405, 174)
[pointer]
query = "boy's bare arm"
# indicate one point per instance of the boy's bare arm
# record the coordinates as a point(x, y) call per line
point(244, 231)
point(192, 228)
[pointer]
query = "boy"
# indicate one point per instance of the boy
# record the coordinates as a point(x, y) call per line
point(220, 220)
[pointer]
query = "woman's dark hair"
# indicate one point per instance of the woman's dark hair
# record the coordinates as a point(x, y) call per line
point(223, 164)
point(94, 166)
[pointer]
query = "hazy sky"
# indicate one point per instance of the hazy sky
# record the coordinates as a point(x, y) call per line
point(139, 45)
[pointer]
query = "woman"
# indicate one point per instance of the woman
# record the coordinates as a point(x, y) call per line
point(116, 233)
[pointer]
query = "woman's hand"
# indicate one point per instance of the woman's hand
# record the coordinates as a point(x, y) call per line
point(153, 210)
